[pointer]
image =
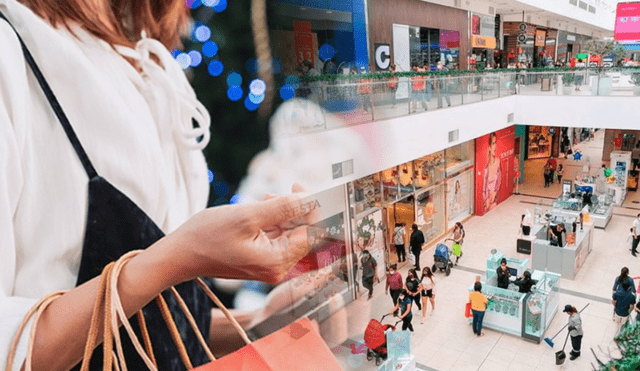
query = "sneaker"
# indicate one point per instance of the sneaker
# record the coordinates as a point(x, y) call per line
point(573, 356)
point(481, 335)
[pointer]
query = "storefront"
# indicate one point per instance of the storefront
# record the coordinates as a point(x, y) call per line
point(515, 50)
point(483, 41)
point(419, 32)
point(318, 31)
point(570, 44)
point(434, 192)
point(496, 170)
point(540, 141)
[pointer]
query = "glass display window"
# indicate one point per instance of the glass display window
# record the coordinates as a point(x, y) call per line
point(397, 182)
point(428, 170)
point(459, 158)
point(430, 212)
point(431, 45)
point(539, 142)
point(459, 202)
point(366, 193)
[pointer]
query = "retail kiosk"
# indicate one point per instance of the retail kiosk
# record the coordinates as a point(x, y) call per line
point(526, 315)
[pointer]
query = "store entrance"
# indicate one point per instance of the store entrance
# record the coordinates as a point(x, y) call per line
point(401, 211)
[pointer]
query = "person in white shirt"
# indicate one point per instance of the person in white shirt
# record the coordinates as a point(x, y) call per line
point(636, 236)
point(121, 126)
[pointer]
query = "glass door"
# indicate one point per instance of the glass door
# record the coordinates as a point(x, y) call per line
point(399, 212)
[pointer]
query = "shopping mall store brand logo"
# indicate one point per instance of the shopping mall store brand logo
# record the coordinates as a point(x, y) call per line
point(302, 209)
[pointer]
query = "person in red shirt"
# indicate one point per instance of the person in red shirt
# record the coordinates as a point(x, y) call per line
point(394, 283)
point(418, 85)
point(554, 165)
point(392, 84)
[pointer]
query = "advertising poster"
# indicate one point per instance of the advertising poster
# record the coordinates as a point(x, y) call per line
point(458, 192)
point(370, 236)
point(539, 142)
point(627, 26)
point(494, 168)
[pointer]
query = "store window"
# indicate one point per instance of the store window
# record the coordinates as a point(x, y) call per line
point(539, 142)
point(431, 212)
point(432, 45)
point(428, 170)
point(397, 182)
point(459, 158)
point(459, 197)
point(366, 193)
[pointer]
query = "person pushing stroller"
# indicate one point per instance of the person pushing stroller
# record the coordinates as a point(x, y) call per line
point(403, 306)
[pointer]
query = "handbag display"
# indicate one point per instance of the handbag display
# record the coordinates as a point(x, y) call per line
point(297, 346)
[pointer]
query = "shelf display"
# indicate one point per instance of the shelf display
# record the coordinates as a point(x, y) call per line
point(620, 164)
point(567, 260)
point(600, 210)
point(541, 305)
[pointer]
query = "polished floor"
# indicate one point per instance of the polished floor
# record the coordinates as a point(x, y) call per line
point(445, 341)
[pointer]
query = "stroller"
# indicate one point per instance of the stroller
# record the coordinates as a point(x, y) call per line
point(442, 258)
point(376, 341)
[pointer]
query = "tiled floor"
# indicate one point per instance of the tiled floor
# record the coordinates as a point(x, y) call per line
point(446, 342)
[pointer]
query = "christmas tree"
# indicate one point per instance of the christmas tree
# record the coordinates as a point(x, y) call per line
point(629, 346)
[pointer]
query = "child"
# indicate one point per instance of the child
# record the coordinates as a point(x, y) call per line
point(559, 173)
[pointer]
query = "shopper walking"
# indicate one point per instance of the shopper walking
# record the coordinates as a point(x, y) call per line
point(417, 240)
point(458, 239)
point(623, 301)
point(442, 85)
point(503, 274)
point(369, 272)
point(547, 174)
point(559, 173)
point(636, 236)
point(364, 89)
point(392, 84)
point(394, 283)
point(418, 86)
point(622, 278)
point(478, 306)
point(428, 291)
point(575, 330)
point(399, 234)
point(412, 286)
point(403, 307)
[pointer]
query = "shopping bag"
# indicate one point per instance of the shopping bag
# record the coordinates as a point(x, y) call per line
point(411, 258)
point(457, 249)
point(295, 347)
point(467, 310)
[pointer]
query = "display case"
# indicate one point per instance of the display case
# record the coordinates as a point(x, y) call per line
point(600, 210)
point(541, 305)
point(620, 164)
point(504, 310)
point(516, 266)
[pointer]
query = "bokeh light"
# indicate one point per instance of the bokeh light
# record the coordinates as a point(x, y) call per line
point(236, 199)
point(257, 87)
point(276, 66)
point(210, 3)
point(249, 300)
point(249, 105)
point(184, 60)
point(326, 52)
point(252, 66)
point(221, 6)
point(175, 53)
point(234, 79)
point(196, 58)
point(220, 188)
point(202, 33)
point(192, 4)
point(292, 80)
point(255, 98)
point(211, 176)
point(220, 201)
point(287, 92)
point(215, 68)
point(235, 93)
point(209, 49)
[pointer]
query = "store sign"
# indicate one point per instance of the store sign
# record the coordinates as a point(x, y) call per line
point(303, 42)
point(383, 56)
point(627, 22)
point(475, 25)
point(541, 36)
point(495, 172)
point(487, 26)
point(483, 42)
point(571, 37)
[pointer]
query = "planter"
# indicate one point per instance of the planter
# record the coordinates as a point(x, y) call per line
point(636, 90)
point(567, 90)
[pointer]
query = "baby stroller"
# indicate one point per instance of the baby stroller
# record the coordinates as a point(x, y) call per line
point(376, 341)
point(442, 258)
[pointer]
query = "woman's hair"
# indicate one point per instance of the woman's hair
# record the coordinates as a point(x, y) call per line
point(492, 136)
point(414, 227)
point(124, 19)
point(477, 286)
point(394, 267)
point(426, 272)
point(398, 224)
point(624, 274)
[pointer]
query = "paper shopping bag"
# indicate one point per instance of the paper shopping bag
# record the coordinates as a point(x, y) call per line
point(295, 347)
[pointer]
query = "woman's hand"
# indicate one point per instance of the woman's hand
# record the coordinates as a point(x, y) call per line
point(258, 241)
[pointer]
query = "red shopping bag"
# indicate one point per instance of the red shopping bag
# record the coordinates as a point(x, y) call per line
point(295, 347)
point(467, 310)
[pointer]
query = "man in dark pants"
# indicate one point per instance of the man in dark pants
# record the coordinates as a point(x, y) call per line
point(416, 242)
point(636, 236)
point(575, 330)
point(369, 272)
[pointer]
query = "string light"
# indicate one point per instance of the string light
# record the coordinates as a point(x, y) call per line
point(235, 93)
point(215, 68)
point(196, 58)
point(209, 49)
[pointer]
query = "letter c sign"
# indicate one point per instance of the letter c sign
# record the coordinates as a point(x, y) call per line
point(383, 56)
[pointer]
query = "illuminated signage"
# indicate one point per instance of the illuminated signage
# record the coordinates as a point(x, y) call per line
point(483, 42)
point(627, 22)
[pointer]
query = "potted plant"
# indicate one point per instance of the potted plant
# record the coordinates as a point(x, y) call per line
point(635, 80)
point(568, 80)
